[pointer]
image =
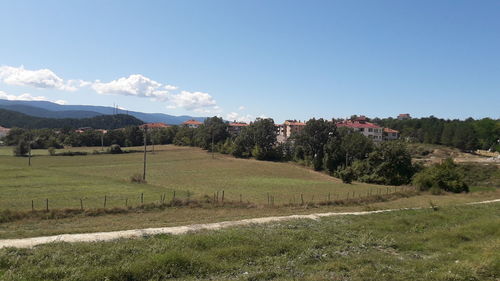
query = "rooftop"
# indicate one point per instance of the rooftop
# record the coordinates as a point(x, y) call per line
point(192, 122)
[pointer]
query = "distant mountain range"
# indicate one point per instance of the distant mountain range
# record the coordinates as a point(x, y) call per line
point(47, 109)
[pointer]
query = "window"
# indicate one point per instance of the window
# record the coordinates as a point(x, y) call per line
point(370, 130)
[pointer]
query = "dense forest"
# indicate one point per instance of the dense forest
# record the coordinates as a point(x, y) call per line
point(468, 135)
point(12, 119)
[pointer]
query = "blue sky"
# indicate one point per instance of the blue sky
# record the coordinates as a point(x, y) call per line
point(244, 59)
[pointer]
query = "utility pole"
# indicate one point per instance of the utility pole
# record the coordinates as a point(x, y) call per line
point(102, 140)
point(145, 147)
point(213, 155)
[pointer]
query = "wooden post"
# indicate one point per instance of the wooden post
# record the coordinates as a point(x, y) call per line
point(47, 204)
point(268, 199)
point(105, 199)
point(223, 197)
point(145, 147)
point(126, 202)
point(142, 197)
point(173, 198)
point(240, 199)
point(32, 205)
point(302, 198)
point(81, 204)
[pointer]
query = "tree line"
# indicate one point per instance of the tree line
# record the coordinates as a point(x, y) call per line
point(11, 119)
point(466, 135)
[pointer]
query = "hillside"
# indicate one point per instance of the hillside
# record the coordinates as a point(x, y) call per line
point(11, 119)
point(53, 110)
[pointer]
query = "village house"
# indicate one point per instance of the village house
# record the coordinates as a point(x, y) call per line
point(158, 125)
point(361, 124)
point(191, 123)
point(390, 134)
point(404, 116)
point(288, 128)
point(234, 128)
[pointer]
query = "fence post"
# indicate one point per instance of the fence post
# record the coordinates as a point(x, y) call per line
point(240, 199)
point(47, 204)
point(32, 205)
point(105, 201)
point(81, 204)
point(223, 197)
point(142, 198)
point(126, 202)
point(173, 198)
point(302, 198)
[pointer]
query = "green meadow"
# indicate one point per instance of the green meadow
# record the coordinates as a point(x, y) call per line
point(64, 180)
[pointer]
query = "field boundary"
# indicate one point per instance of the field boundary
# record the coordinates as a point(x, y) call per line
point(177, 230)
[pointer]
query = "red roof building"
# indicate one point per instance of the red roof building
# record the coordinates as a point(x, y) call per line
point(235, 128)
point(191, 123)
point(4, 131)
point(370, 130)
point(158, 125)
point(404, 116)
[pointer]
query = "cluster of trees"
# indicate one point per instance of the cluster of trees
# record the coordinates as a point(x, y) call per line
point(11, 119)
point(469, 134)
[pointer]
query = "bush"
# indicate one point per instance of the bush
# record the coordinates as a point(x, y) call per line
point(115, 149)
point(347, 175)
point(52, 151)
point(446, 176)
point(21, 149)
point(137, 178)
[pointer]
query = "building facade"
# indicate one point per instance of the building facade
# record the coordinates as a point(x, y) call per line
point(191, 123)
point(368, 129)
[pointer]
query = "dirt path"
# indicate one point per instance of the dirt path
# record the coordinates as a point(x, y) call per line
point(176, 230)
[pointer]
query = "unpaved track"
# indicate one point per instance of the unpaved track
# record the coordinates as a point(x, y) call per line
point(176, 230)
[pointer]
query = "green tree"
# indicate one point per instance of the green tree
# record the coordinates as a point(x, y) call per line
point(313, 139)
point(445, 176)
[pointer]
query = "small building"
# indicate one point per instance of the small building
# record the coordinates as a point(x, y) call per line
point(390, 134)
point(368, 129)
point(234, 128)
point(291, 127)
point(157, 125)
point(4, 131)
point(191, 123)
point(404, 116)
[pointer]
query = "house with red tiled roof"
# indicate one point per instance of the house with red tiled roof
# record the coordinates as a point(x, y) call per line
point(191, 123)
point(404, 116)
point(390, 134)
point(368, 129)
point(234, 128)
point(291, 127)
point(158, 125)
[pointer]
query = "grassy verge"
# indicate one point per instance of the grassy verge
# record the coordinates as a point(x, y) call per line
point(453, 243)
point(184, 215)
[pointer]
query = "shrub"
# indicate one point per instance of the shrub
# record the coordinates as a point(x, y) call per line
point(446, 176)
point(21, 149)
point(347, 175)
point(137, 178)
point(115, 149)
point(52, 151)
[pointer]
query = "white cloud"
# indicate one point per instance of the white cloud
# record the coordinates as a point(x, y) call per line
point(192, 101)
point(235, 116)
point(134, 85)
point(241, 108)
point(41, 78)
point(27, 97)
point(61, 102)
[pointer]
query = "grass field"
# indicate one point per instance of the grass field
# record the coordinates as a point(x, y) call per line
point(452, 243)
point(64, 180)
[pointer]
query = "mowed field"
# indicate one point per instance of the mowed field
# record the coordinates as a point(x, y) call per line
point(64, 180)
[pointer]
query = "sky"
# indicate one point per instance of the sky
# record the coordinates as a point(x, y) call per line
point(245, 59)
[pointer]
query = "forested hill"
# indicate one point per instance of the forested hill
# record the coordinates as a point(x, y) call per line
point(11, 119)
